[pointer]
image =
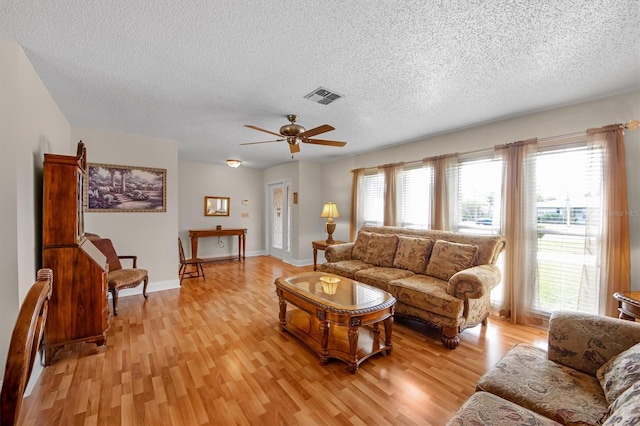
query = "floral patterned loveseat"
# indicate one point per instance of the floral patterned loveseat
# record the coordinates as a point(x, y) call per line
point(443, 279)
point(590, 375)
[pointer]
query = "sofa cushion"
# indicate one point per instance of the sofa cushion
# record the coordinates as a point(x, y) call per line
point(345, 268)
point(359, 250)
point(379, 276)
point(447, 258)
point(620, 372)
point(412, 253)
point(525, 376)
point(483, 408)
point(426, 293)
point(381, 249)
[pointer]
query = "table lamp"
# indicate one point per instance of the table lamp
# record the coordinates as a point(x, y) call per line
point(330, 210)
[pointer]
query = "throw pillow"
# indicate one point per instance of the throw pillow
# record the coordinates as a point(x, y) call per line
point(630, 395)
point(412, 253)
point(620, 372)
point(626, 409)
point(381, 249)
point(359, 250)
point(447, 258)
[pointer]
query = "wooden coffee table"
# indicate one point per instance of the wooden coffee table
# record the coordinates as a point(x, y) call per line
point(336, 317)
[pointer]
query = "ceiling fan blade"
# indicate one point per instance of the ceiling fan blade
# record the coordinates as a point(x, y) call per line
point(294, 148)
point(253, 143)
point(316, 131)
point(323, 142)
point(261, 130)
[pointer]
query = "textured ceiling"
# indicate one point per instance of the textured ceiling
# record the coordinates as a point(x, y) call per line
point(197, 71)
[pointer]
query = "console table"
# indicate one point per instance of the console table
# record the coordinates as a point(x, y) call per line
point(194, 234)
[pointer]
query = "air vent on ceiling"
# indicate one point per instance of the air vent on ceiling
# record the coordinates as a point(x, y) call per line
point(323, 96)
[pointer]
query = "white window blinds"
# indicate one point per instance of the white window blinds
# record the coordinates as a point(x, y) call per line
point(568, 194)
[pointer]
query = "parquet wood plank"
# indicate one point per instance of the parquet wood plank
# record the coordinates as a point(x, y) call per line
point(212, 353)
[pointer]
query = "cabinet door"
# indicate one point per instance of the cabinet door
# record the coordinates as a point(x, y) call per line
point(62, 221)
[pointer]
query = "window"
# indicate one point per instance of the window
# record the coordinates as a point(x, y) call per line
point(568, 183)
point(414, 202)
point(371, 199)
point(478, 196)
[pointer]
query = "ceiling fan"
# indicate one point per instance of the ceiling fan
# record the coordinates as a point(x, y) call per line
point(294, 134)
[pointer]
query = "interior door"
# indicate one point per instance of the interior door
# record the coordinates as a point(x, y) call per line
point(279, 220)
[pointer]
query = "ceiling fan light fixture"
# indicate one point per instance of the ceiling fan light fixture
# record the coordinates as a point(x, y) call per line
point(233, 163)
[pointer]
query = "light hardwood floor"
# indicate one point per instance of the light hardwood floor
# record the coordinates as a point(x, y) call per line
point(212, 353)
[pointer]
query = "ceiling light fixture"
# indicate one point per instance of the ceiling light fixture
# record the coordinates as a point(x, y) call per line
point(234, 163)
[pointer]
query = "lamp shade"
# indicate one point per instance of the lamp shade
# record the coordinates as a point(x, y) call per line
point(234, 163)
point(330, 210)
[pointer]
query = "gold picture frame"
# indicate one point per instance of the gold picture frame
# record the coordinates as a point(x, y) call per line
point(216, 206)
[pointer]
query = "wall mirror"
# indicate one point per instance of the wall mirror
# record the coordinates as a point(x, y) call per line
point(216, 206)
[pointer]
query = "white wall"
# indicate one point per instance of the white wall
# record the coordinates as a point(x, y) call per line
point(197, 180)
point(31, 124)
point(310, 203)
point(150, 236)
point(620, 108)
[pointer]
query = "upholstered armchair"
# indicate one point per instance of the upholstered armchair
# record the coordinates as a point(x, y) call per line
point(118, 277)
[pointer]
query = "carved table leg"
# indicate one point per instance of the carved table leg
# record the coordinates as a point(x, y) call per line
point(315, 259)
point(283, 310)
point(324, 332)
point(353, 348)
point(388, 327)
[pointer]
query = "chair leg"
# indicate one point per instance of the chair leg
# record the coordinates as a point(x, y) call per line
point(144, 287)
point(181, 272)
point(202, 270)
point(114, 297)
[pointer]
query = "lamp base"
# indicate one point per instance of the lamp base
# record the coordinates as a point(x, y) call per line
point(330, 227)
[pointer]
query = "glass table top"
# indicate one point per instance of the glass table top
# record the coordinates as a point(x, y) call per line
point(339, 292)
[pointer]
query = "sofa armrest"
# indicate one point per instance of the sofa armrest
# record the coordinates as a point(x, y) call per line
point(585, 341)
point(475, 282)
point(338, 252)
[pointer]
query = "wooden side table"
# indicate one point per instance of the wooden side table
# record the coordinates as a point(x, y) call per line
point(320, 245)
point(628, 304)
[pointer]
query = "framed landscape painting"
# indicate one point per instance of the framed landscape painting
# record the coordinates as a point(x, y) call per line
point(112, 188)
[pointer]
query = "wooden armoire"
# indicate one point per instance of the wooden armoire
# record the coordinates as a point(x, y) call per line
point(78, 309)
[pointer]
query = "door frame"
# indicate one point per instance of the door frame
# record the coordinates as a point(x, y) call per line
point(283, 254)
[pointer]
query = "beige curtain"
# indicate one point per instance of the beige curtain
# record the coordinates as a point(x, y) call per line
point(390, 195)
point(614, 256)
point(443, 189)
point(519, 226)
point(353, 219)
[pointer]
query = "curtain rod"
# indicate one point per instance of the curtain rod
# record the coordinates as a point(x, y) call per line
point(630, 125)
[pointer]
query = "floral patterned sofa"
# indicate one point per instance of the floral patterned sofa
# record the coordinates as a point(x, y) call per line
point(590, 375)
point(441, 278)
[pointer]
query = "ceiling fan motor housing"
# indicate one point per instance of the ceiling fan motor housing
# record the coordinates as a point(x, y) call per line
point(291, 130)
